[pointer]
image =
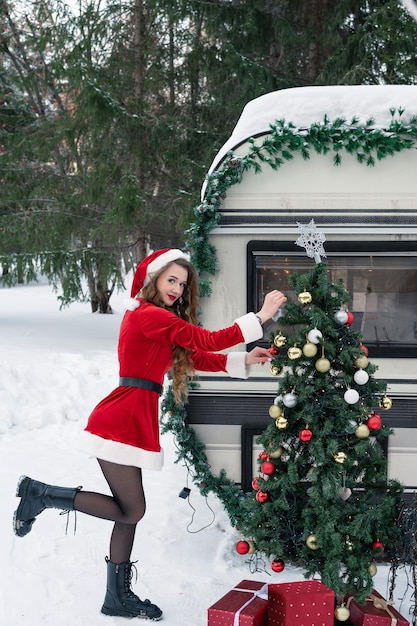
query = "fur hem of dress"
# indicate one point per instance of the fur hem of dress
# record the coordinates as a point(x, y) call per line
point(121, 453)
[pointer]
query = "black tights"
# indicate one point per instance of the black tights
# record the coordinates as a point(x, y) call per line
point(126, 508)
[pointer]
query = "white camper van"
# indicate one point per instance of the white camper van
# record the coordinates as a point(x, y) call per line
point(365, 206)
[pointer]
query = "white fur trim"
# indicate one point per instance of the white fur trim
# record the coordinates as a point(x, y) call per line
point(131, 304)
point(236, 366)
point(250, 327)
point(164, 259)
point(121, 453)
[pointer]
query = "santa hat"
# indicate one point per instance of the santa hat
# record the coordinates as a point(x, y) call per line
point(152, 263)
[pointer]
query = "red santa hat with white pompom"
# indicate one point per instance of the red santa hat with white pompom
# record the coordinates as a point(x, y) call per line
point(153, 263)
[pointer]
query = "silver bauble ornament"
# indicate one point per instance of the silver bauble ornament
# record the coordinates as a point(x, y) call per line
point(340, 317)
point(351, 396)
point(314, 335)
point(361, 377)
point(345, 493)
point(290, 400)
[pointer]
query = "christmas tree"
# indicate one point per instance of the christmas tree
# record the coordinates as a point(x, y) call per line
point(322, 499)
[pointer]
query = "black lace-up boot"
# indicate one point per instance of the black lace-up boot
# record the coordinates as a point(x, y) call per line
point(120, 599)
point(35, 498)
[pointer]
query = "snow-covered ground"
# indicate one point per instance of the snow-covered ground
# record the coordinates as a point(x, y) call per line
point(55, 366)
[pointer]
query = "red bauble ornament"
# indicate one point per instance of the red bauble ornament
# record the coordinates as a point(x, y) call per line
point(268, 468)
point(375, 421)
point(273, 350)
point(263, 456)
point(255, 484)
point(364, 349)
point(242, 547)
point(305, 435)
point(277, 566)
point(350, 319)
point(378, 546)
point(262, 496)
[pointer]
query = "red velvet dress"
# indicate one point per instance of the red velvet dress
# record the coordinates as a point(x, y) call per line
point(124, 426)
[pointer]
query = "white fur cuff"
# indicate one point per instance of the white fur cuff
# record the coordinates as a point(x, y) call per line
point(250, 327)
point(236, 366)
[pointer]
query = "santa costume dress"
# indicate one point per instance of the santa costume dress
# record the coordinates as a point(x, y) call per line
point(124, 427)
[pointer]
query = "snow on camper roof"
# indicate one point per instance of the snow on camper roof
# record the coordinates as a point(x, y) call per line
point(305, 105)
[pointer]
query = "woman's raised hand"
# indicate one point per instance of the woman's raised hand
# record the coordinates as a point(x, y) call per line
point(272, 302)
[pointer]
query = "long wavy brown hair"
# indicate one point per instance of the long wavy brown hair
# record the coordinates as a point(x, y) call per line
point(186, 308)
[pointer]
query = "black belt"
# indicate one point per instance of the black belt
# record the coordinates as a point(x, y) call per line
point(143, 383)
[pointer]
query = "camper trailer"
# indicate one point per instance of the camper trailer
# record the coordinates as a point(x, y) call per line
point(367, 212)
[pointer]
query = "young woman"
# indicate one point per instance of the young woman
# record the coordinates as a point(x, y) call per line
point(158, 333)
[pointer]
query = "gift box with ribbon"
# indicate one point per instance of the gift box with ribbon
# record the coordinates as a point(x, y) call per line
point(375, 612)
point(300, 603)
point(245, 605)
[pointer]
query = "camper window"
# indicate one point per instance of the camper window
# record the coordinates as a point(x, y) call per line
point(380, 277)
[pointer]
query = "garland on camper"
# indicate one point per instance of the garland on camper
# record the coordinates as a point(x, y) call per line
point(367, 143)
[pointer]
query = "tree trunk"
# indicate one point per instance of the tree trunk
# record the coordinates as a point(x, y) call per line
point(100, 300)
point(139, 62)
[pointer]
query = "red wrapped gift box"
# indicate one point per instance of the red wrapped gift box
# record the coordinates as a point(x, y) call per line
point(245, 605)
point(303, 603)
point(375, 612)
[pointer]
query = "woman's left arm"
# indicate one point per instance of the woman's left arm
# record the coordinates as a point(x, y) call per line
point(234, 363)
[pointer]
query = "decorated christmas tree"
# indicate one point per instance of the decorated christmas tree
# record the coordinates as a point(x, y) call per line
point(322, 499)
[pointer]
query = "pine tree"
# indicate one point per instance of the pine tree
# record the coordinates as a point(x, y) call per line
point(322, 499)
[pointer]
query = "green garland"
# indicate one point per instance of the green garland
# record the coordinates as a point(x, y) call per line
point(367, 144)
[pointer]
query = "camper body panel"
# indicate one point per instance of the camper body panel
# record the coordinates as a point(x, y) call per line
point(350, 202)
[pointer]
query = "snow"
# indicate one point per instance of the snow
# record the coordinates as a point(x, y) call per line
point(303, 106)
point(56, 365)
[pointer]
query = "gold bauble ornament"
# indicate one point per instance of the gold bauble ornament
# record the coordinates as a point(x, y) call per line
point(311, 542)
point(342, 613)
point(275, 411)
point(373, 569)
point(252, 546)
point(322, 365)
point(294, 353)
point(362, 362)
point(362, 431)
point(349, 544)
point(309, 349)
point(275, 370)
point(304, 297)
point(280, 340)
point(386, 403)
point(340, 457)
point(281, 423)
point(276, 453)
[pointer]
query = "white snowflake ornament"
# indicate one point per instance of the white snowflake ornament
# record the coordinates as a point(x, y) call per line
point(312, 240)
